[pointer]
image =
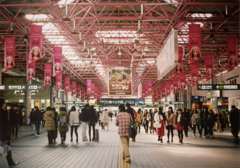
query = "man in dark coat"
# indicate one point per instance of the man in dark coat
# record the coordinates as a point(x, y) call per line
point(84, 118)
point(92, 119)
point(187, 120)
point(130, 110)
point(16, 121)
point(37, 118)
point(235, 123)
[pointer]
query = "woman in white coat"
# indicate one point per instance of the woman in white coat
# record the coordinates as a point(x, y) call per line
point(74, 122)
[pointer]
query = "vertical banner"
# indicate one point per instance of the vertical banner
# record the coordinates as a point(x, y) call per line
point(159, 91)
point(57, 60)
point(232, 46)
point(66, 85)
point(168, 88)
point(194, 73)
point(179, 67)
point(78, 91)
point(35, 43)
point(194, 42)
point(9, 53)
point(89, 86)
point(149, 86)
point(163, 91)
point(47, 74)
point(209, 66)
point(182, 81)
point(175, 85)
point(59, 81)
point(30, 70)
point(120, 81)
point(73, 88)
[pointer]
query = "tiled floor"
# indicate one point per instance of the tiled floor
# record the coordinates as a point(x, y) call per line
point(146, 152)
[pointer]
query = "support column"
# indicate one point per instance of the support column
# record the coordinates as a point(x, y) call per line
point(52, 95)
point(27, 102)
point(183, 98)
point(189, 97)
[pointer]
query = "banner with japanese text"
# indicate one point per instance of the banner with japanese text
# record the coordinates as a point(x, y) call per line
point(59, 81)
point(194, 43)
point(9, 53)
point(120, 81)
point(47, 74)
point(175, 85)
point(73, 88)
point(57, 60)
point(30, 70)
point(35, 43)
point(232, 51)
point(182, 81)
point(194, 74)
point(66, 85)
point(179, 66)
point(209, 66)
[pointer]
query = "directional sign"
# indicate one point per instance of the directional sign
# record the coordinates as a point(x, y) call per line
point(218, 87)
point(22, 87)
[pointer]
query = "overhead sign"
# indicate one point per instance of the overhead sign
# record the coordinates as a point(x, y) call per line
point(116, 102)
point(166, 103)
point(22, 87)
point(218, 87)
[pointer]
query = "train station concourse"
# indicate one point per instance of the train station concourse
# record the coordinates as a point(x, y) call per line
point(119, 84)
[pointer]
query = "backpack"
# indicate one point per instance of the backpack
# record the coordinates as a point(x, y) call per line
point(63, 121)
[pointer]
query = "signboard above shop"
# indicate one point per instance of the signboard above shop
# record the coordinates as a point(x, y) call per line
point(22, 87)
point(116, 102)
point(218, 87)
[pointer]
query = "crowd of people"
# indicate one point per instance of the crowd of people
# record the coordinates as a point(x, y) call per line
point(153, 121)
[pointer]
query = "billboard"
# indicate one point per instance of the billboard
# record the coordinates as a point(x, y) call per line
point(120, 81)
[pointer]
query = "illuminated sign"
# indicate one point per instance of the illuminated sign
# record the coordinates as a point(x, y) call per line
point(218, 87)
point(22, 87)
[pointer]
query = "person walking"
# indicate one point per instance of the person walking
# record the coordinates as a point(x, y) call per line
point(187, 115)
point(63, 120)
point(43, 117)
point(150, 119)
point(181, 122)
point(92, 119)
point(123, 120)
point(210, 123)
point(170, 123)
point(37, 118)
point(138, 120)
point(10, 122)
point(74, 122)
point(235, 123)
point(16, 121)
point(84, 119)
point(130, 110)
point(50, 124)
point(196, 121)
point(56, 125)
point(222, 119)
point(105, 119)
point(101, 119)
point(204, 120)
point(218, 124)
point(145, 121)
point(160, 118)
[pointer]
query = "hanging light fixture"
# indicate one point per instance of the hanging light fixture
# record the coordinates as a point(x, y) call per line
point(119, 53)
point(80, 38)
point(66, 18)
point(139, 27)
point(88, 55)
point(74, 30)
point(84, 47)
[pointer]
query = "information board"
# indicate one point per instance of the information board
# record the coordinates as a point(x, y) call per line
point(22, 87)
point(218, 87)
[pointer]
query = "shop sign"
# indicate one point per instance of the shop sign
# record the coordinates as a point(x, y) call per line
point(166, 103)
point(219, 87)
point(213, 94)
point(116, 102)
point(22, 87)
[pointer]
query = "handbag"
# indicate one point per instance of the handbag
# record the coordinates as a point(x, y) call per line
point(133, 128)
point(157, 125)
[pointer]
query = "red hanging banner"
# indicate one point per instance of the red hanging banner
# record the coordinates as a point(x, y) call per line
point(232, 46)
point(78, 90)
point(168, 88)
point(209, 66)
point(74, 87)
point(175, 85)
point(179, 67)
point(9, 53)
point(57, 60)
point(35, 43)
point(59, 81)
point(182, 81)
point(194, 73)
point(47, 74)
point(66, 85)
point(194, 42)
point(30, 70)
point(163, 91)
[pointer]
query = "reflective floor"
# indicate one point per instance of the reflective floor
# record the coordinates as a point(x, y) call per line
point(145, 152)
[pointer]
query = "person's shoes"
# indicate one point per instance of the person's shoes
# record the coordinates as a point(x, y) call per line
point(186, 135)
point(54, 140)
point(181, 141)
point(204, 137)
point(77, 139)
point(62, 141)
point(172, 140)
point(85, 139)
point(71, 140)
point(93, 139)
point(194, 135)
point(167, 141)
point(15, 164)
point(200, 135)
point(128, 160)
point(159, 138)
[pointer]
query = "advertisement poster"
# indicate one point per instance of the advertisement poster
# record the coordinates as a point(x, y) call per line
point(30, 70)
point(47, 74)
point(232, 51)
point(194, 42)
point(168, 88)
point(9, 53)
point(66, 85)
point(209, 68)
point(120, 81)
point(179, 66)
point(194, 74)
point(78, 91)
point(59, 81)
point(35, 43)
point(175, 85)
point(182, 81)
point(159, 92)
point(89, 86)
point(83, 93)
point(163, 91)
point(73, 88)
point(57, 60)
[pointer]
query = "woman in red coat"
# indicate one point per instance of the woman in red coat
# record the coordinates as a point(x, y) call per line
point(159, 118)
